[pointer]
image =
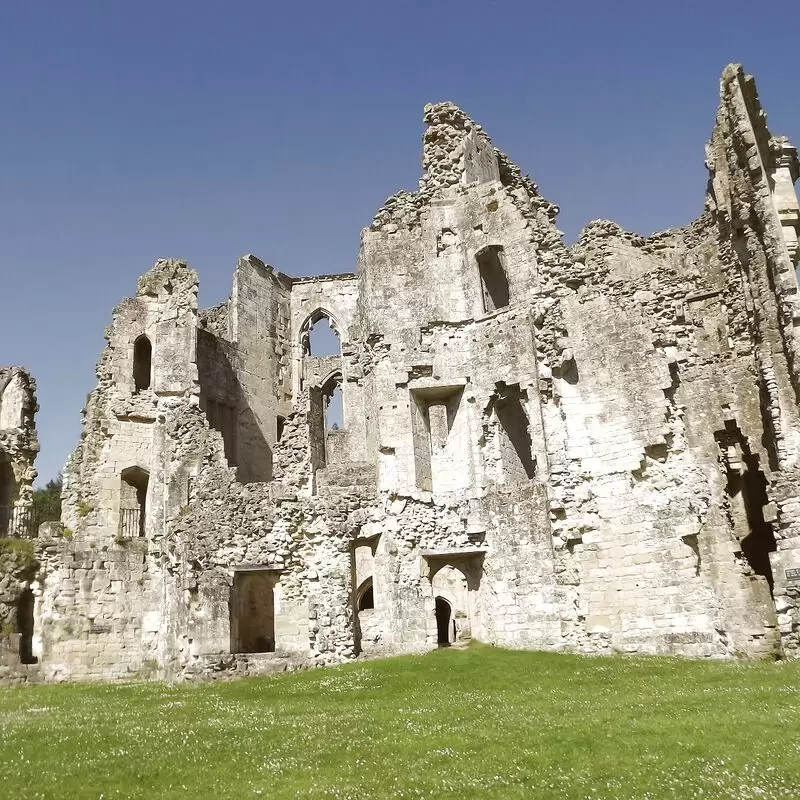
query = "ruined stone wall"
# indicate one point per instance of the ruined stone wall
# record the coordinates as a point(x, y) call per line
point(591, 449)
point(752, 200)
point(255, 354)
point(652, 347)
point(18, 448)
point(100, 592)
point(18, 566)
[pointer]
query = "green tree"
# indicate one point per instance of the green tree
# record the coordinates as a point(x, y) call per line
point(47, 501)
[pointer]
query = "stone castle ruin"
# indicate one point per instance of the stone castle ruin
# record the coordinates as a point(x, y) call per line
point(593, 448)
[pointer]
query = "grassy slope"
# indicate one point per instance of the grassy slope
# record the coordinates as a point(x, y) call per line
point(469, 724)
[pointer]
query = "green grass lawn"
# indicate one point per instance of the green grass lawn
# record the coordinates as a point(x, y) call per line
point(473, 723)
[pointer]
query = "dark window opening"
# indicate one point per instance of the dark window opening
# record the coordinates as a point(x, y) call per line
point(280, 424)
point(25, 627)
point(252, 608)
point(133, 502)
point(444, 623)
point(142, 363)
point(366, 596)
point(494, 282)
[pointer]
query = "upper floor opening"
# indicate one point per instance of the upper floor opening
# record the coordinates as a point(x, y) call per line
point(142, 363)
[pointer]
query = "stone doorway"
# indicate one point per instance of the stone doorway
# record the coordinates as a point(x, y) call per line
point(454, 584)
point(445, 625)
point(25, 627)
point(252, 609)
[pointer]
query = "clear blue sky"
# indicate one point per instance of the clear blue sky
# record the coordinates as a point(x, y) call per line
point(203, 130)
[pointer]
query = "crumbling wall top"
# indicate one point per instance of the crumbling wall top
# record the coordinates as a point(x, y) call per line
point(457, 152)
point(17, 399)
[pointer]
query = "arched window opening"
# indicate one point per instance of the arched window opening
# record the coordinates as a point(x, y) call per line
point(133, 502)
point(366, 596)
point(494, 282)
point(326, 422)
point(320, 338)
point(25, 627)
point(142, 363)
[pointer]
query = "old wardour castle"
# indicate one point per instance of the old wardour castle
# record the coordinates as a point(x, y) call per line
point(593, 448)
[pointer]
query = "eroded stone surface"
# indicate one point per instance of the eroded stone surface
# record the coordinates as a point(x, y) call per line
point(592, 449)
point(18, 449)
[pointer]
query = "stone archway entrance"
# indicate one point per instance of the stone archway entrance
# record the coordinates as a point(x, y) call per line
point(445, 626)
point(454, 584)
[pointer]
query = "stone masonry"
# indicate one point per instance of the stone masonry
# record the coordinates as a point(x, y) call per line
point(18, 448)
point(18, 567)
point(593, 448)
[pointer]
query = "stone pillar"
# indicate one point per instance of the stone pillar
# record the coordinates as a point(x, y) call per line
point(785, 172)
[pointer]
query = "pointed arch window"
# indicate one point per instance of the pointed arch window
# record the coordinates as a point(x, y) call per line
point(319, 335)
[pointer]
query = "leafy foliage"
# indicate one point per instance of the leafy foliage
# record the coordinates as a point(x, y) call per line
point(47, 501)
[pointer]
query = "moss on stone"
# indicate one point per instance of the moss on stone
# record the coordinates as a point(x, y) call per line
point(21, 550)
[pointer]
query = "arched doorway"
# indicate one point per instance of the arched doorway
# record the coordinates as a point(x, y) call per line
point(25, 627)
point(444, 623)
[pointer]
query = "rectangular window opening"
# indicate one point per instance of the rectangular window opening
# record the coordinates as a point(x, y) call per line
point(516, 456)
point(494, 281)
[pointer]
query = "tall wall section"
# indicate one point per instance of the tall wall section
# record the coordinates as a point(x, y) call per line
point(18, 448)
point(18, 565)
point(100, 592)
point(245, 370)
